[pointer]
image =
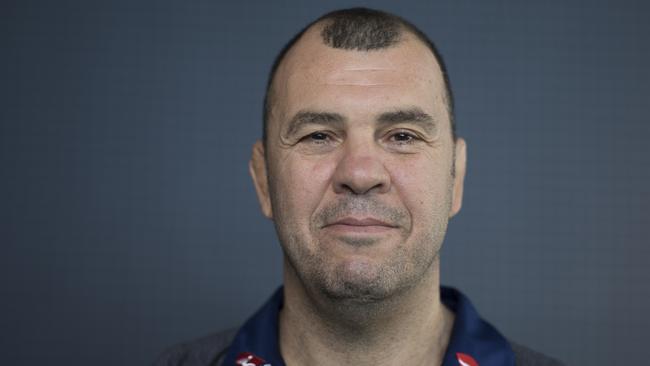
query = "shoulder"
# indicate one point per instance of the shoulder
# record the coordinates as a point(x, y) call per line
point(525, 356)
point(206, 351)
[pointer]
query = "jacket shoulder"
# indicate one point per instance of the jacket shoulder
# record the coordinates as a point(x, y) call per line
point(525, 356)
point(206, 351)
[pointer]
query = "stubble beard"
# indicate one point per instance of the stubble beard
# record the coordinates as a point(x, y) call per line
point(365, 287)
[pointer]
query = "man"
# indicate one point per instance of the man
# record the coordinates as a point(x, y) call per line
point(360, 170)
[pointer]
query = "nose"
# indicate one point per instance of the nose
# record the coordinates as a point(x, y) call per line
point(361, 171)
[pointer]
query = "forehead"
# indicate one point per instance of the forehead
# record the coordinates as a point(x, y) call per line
point(316, 76)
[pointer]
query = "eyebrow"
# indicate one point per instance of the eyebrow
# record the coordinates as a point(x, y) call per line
point(410, 115)
point(303, 118)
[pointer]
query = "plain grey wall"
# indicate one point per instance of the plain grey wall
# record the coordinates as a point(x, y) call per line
point(128, 221)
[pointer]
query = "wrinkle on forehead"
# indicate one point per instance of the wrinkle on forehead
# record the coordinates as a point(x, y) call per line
point(364, 77)
point(368, 68)
point(362, 84)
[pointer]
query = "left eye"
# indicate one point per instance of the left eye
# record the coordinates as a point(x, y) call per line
point(402, 137)
point(318, 136)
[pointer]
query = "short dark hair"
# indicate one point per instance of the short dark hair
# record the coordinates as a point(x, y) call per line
point(361, 29)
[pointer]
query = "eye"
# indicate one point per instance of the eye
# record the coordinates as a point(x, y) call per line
point(317, 137)
point(402, 137)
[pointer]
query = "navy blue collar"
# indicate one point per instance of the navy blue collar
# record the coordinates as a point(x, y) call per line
point(473, 341)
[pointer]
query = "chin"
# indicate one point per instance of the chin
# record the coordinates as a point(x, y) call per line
point(360, 280)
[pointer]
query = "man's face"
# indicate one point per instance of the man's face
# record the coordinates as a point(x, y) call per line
point(360, 163)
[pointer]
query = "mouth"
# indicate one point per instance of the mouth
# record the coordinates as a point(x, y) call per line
point(353, 225)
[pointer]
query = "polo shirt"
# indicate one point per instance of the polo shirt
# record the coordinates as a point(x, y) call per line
point(473, 342)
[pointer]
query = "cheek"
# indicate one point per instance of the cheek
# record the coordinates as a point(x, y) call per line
point(303, 184)
point(423, 186)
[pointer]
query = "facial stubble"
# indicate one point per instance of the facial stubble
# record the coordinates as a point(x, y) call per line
point(365, 283)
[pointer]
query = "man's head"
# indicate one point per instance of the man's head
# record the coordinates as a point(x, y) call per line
point(360, 170)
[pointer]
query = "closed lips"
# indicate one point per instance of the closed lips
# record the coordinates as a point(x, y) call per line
point(350, 221)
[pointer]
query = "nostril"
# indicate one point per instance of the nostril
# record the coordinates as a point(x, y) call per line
point(360, 189)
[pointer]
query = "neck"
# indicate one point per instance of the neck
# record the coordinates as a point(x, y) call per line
point(411, 328)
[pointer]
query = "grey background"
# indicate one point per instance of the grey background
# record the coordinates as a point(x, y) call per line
point(128, 221)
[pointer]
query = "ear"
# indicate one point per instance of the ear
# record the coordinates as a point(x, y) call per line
point(460, 164)
point(257, 169)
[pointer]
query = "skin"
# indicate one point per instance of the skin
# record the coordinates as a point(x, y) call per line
point(360, 196)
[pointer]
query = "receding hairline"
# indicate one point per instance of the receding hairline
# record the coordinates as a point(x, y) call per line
point(402, 29)
point(315, 32)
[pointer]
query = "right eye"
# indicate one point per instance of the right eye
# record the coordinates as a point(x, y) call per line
point(317, 137)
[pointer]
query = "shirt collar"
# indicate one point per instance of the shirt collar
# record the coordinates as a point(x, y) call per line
point(473, 342)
